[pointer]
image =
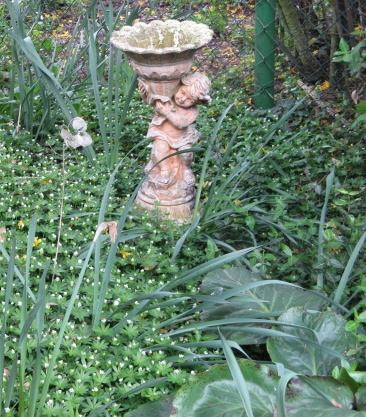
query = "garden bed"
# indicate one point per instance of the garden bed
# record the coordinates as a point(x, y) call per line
point(97, 327)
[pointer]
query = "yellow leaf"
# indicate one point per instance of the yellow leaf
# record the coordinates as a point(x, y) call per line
point(325, 85)
point(36, 241)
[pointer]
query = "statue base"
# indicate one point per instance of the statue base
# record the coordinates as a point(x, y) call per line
point(180, 213)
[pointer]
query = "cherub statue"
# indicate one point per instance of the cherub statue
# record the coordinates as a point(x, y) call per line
point(171, 128)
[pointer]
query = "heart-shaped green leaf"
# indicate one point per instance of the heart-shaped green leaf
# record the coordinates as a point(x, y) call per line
point(326, 330)
point(251, 296)
point(320, 397)
point(214, 393)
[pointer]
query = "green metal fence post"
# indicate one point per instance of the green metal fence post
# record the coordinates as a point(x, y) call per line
point(265, 13)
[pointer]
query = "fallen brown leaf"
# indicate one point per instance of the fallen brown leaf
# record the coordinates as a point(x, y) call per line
point(112, 229)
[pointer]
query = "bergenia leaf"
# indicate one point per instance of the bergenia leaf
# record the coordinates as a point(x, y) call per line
point(215, 393)
point(325, 328)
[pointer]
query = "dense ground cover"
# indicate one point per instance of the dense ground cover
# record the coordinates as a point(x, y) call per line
point(93, 325)
point(277, 203)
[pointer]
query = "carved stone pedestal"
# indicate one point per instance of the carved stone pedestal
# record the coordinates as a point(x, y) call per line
point(162, 54)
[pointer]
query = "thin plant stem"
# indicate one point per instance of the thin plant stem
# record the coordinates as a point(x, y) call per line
point(61, 213)
point(329, 182)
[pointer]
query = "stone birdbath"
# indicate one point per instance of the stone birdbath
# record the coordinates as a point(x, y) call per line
point(161, 53)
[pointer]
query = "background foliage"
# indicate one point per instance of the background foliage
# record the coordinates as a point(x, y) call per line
point(272, 267)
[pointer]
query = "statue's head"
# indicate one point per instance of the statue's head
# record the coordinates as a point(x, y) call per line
point(199, 87)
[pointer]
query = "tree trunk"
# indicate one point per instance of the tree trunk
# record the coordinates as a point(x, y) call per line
point(336, 31)
point(307, 63)
point(362, 11)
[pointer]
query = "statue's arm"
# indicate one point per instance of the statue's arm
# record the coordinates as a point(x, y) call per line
point(179, 117)
point(183, 118)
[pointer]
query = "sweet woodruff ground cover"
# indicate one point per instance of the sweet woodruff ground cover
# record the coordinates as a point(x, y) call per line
point(282, 197)
point(277, 203)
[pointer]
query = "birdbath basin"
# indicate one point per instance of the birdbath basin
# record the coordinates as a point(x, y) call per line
point(162, 51)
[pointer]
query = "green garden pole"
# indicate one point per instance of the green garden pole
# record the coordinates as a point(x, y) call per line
point(265, 13)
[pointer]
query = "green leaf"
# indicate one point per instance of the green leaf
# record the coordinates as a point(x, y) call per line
point(329, 187)
point(48, 45)
point(287, 250)
point(361, 398)
point(358, 376)
point(182, 239)
point(160, 408)
point(240, 382)
point(211, 248)
point(250, 222)
point(362, 316)
point(5, 315)
point(340, 202)
point(214, 393)
point(327, 329)
point(348, 192)
point(346, 378)
point(319, 397)
point(347, 272)
point(343, 45)
point(148, 384)
point(250, 296)
point(352, 326)
point(335, 263)
point(361, 107)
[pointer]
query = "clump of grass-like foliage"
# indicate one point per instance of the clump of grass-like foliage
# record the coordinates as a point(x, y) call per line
point(104, 323)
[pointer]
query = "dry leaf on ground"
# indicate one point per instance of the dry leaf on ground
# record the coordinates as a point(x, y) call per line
point(112, 229)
